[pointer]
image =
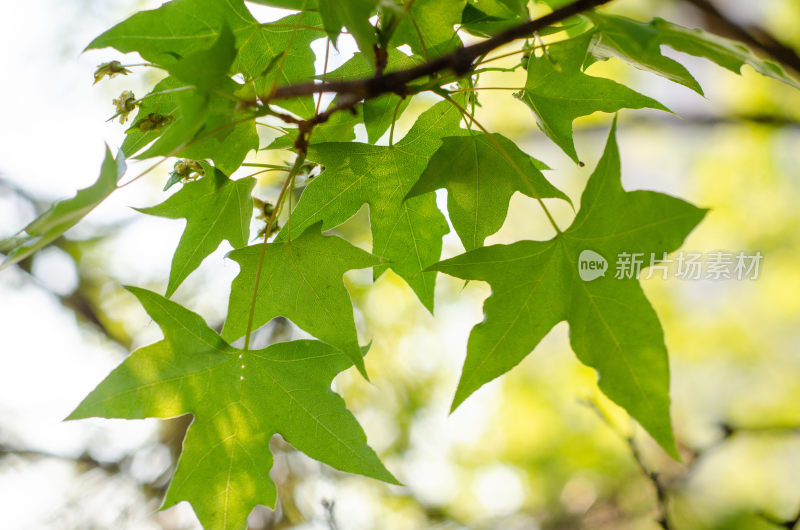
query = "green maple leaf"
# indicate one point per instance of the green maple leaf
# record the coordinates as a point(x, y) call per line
point(481, 175)
point(65, 214)
point(427, 26)
point(239, 399)
point(196, 109)
point(216, 209)
point(407, 233)
point(298, 5)
point(279, 53)
point(727, 53)
point(206, 69)
point(267, 55)
point(176, 29)
point(613, 328)
point(301, 279)
point(486, 18)
point(506, 7)
point(181, 28)
point(206, 126)
point(205, 116)
point(558, 92)
point(214, 131)
point(354, 15)
point(638, 44)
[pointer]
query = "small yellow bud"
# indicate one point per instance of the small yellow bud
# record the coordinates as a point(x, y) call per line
point(109, 69)
point(124, 105)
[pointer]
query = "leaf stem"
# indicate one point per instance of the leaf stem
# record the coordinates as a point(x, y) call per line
point(298, 163)
point(151, 65)
point(267, 125)
point(270, 166)
point(285, 53)
point(394, 120)
point(167, 91)
point(267, 171)
point(511, 162)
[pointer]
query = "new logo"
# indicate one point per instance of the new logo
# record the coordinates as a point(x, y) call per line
point(591, 265)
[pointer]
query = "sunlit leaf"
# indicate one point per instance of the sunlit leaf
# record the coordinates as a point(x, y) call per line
point(239, 399)
point(558, 92)
point(613, 328)
point(638, 44)
point(428, 26)
point(354, 15)
point(481, 174)
point(727, 53)
point(407, 233)
point(65, 214)
point(215, 209)
point(300, 279)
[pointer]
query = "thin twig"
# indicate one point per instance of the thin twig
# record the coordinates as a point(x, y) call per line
point(298, 163)
point(662, 490)
point(460, 61)
point(511, 162)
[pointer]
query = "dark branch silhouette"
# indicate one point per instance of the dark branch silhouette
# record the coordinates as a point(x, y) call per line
point(461, 61)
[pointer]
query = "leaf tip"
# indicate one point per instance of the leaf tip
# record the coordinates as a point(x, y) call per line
point(434, 267)
point(138, 292)
point(73, 415)
point(666, 441)
point(362, 369)
point(459, 398)
point(428, 302)
point(171, 288)
point(389, 478)
point(131, 288)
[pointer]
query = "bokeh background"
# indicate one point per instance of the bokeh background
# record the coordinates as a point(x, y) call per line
point(538, 448)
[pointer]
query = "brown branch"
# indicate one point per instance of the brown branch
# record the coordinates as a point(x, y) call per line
point(83, 459)
point(696, 121)
point(461, 61)
point(78, 301)
point(777, 521)
point(661, 488)
point(754, 36)
point(305, 127)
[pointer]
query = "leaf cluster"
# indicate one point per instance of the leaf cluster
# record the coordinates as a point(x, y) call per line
point(223, 70)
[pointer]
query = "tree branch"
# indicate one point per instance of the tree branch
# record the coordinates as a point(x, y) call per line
point(461, 61)
point(83, 459)
point(79, 300)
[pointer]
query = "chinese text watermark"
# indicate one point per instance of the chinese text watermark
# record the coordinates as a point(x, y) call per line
point(716, 265)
